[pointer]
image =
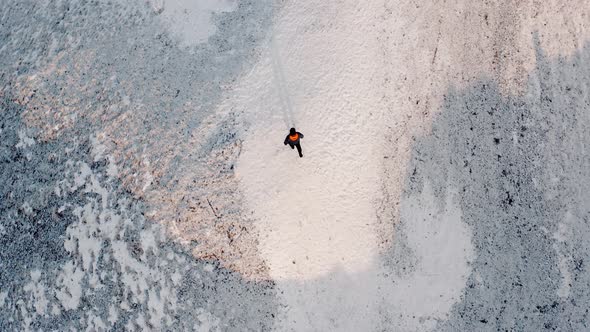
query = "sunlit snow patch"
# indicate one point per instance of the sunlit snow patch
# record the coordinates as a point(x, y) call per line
point(190, 20)
point(442, 243)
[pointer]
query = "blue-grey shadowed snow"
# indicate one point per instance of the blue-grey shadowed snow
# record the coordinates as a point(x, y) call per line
point(521, 167)
point(136, 278)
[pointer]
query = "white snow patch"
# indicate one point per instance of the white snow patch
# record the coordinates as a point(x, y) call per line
point(27, 209)
point(189, 20)
point(176, 277)
point(70, 291)
point(207, 322)
point(95, 323)
point(3, 296)
point(98, 149)
point(55, 310)
point(561, 246)
point(81, 175)
point(318, 211)
point(23, 140)
point(148, 241)
point(82, 239)
point(316, 215)
point(442, 243)
point(156, 308)
point(37, 290)
point(112, 170)
point(113, 314)
point(140, 321)
point(478, 278)
point(358, 301)
point(98, 221)
point(148, 178)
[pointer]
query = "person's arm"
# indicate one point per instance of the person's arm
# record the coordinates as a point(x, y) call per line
point(300, 134)
point(286, 138)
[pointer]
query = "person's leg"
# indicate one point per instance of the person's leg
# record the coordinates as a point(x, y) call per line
point(299, 150)
point(292, 146)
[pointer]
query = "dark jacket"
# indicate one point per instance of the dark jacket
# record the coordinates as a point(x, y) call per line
point(288, 139)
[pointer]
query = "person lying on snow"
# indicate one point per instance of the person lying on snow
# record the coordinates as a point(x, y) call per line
point(293, 140)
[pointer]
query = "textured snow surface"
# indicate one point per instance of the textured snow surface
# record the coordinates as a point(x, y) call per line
point(444, 185)
point(190, 21)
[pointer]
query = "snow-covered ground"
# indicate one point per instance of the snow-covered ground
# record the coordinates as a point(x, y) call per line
point(444, 185)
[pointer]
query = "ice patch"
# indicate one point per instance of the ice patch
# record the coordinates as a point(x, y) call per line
point(190, 21)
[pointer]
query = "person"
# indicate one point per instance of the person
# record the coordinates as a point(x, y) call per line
point(293, 139)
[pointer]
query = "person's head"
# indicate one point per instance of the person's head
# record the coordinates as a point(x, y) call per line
point(292, 131)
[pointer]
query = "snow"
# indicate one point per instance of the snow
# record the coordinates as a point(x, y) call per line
point(24, 140)
point(319, 210)
point(562, 247)
point(3, 296)
point(208, 322)
point(189, 20)
point(113, 314)
point(317, 215)
point(70, 289)
point(37, 291)
point(95, 323)
point(27, 209)
point(442, 243)
point(442, 186)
